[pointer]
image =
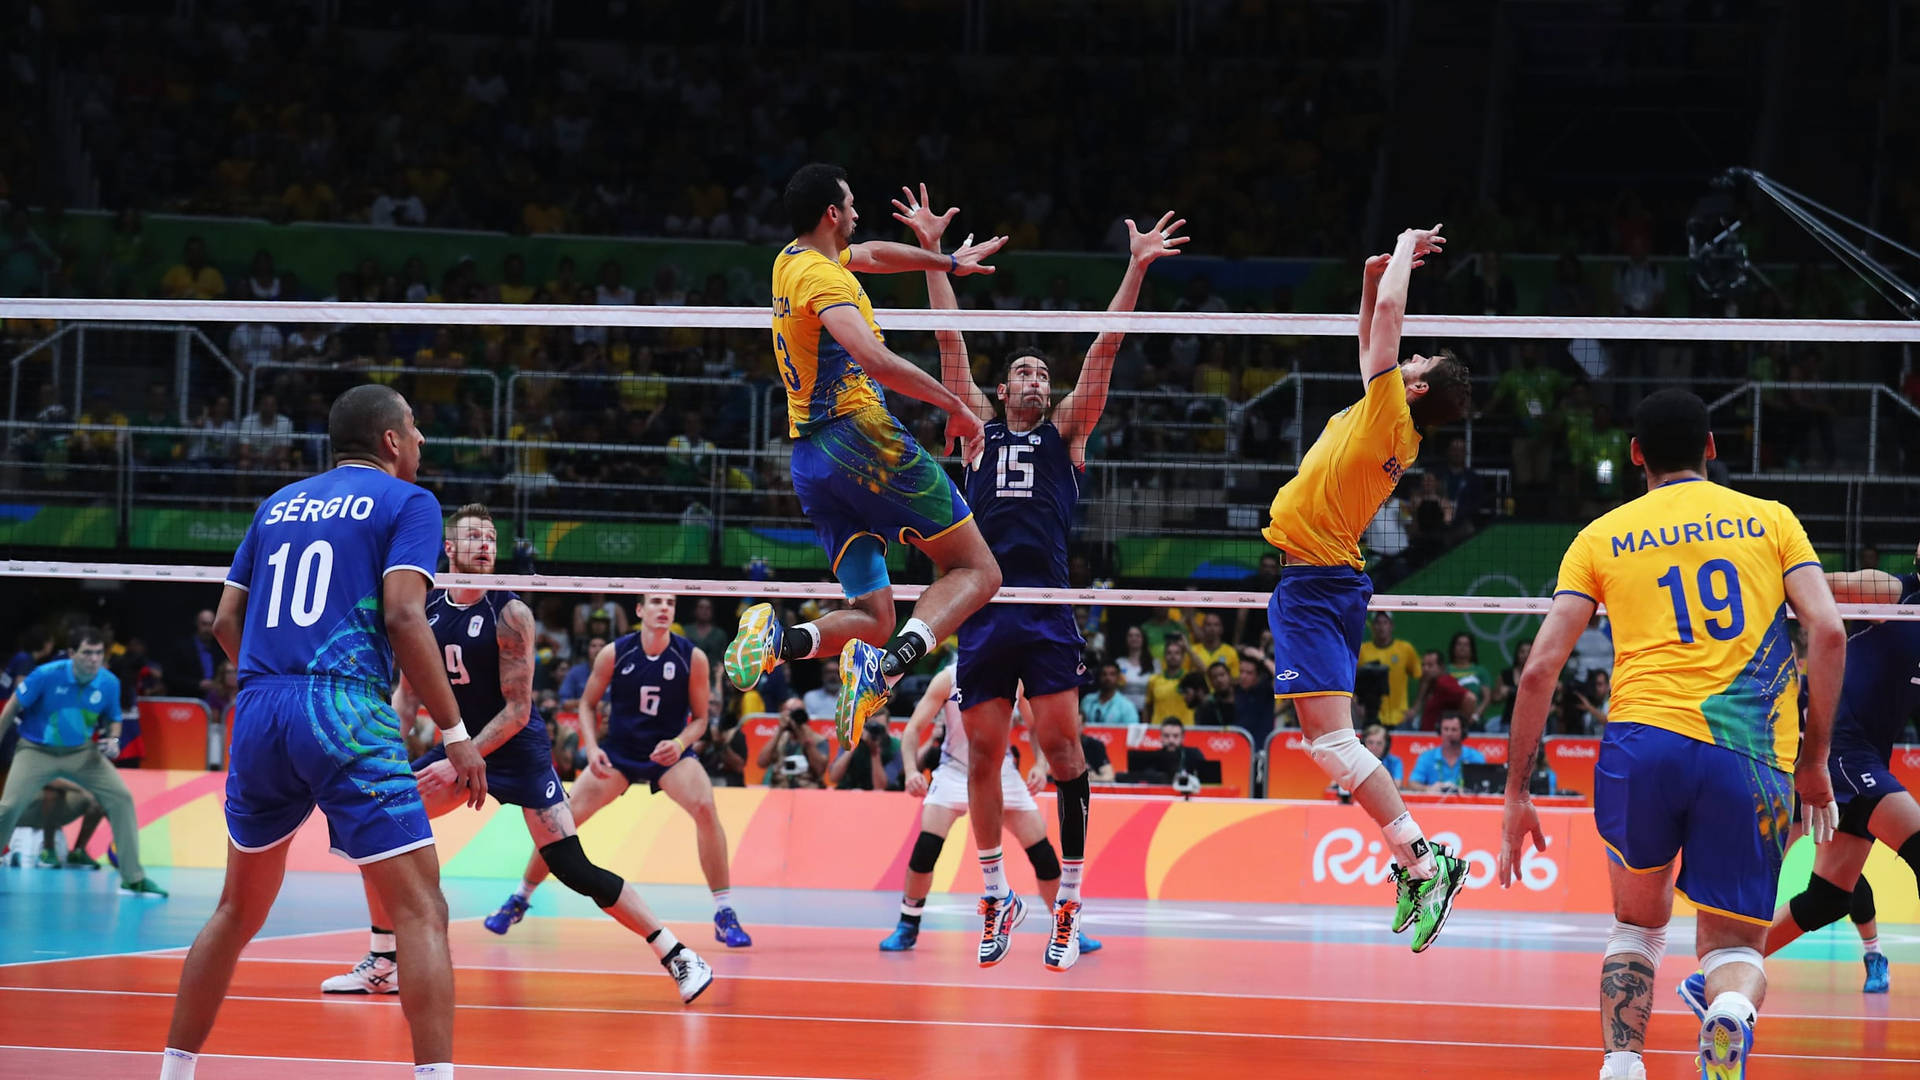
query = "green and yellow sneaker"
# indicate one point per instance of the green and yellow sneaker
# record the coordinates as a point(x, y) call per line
point(1435, 896)
point(863, 691)
point(755, 649)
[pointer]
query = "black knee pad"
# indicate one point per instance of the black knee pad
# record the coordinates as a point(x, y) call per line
point(1863, 910)
point(577, 872)
point(1821, 904)
point(926, 852)
point(1046, 865)
point(1910, 851)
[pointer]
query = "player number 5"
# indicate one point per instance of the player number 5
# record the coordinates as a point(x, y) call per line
point(1718, 586)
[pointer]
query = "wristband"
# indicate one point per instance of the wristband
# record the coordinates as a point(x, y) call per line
point(953, 264)
point(455, 734)
point(676, 741)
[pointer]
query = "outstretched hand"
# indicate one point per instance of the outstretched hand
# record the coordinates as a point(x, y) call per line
point(966, 429)
point(1425, 242)
point(917, 214)
point(1157, 242)
point(966, 257)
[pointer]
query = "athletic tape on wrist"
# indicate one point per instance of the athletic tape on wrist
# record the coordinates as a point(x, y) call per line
point(456, 733)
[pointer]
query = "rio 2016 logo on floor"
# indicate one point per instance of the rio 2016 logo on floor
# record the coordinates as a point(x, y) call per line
point(1346, 857)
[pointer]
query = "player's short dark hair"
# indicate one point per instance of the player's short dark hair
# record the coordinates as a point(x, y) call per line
point(82, 636)
point(361, 417)
point(1193, 680)
point(1451, 714)
point(477, 511)
point(1221, 664)
point(1015, 355)
point(1672, 428)
point(1449, 395)
point(811, 191)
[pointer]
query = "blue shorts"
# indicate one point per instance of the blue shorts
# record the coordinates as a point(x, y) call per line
point(637, 765)
point(1005, 645)
point(864, 475)
point(1658, 795)
point(304, 741)
point(1318, 616)
point(519, 772)
point(1861, 778)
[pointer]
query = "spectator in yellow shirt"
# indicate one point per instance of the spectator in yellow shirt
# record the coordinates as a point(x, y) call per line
point(1402, 662)
point(1208, 648)
point(193, 278)
point(1164, 700)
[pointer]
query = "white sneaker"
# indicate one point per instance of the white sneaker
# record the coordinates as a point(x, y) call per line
point(1063, 948)
point(1639, 1072)
point(372, 975)
point(692, 974)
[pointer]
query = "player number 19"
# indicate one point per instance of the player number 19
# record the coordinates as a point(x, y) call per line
point(1718, 585)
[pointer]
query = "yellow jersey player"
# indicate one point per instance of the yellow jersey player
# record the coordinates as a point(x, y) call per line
point(1318, 612)
point(860, 476)
point(1699, 758)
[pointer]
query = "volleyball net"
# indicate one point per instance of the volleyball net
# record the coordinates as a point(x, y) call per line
point(631, 449)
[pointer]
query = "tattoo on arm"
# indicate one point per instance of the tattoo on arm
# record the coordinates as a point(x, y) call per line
point(1626, 1003)
point(514, 629)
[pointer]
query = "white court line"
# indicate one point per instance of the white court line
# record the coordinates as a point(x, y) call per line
point(181, 950)
point(397, 1064)
point(356, 1001)
point(1065, 987)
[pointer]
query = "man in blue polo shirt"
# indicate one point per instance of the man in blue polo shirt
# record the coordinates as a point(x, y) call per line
point(1439, 768)
point(59, 707)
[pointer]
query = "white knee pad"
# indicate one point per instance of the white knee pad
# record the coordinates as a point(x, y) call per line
point(1343, 759)
point(1720, 958)
point(1649, 943)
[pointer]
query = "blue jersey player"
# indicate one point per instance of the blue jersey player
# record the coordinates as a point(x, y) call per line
point(486, 641)
point(1023, 494)
point(656, 686)
point(1878, 693)
point(327, 591)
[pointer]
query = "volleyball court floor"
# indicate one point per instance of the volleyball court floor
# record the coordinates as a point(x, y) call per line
point(1181, 990)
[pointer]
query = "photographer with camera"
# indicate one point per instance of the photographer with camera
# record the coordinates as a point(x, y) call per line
point(872, 765)
point(795, 757)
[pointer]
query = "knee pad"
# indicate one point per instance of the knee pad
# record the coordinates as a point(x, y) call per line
point(1720, 958)
point(1820, 904)
point(1646, 942)
point(1910, 851)
point(926, 852)
point(1343, 759)
point(1862, 909)
point(577, 872)
point(1046, 864)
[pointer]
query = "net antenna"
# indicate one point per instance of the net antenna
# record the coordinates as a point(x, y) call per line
point(1719, 256)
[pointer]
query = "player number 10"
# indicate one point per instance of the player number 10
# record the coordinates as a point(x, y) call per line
point(310, 580)
point(1720, 596)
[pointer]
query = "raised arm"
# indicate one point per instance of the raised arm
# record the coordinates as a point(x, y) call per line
point(1079, 412)
point(1865, 587)
point(887, 257)
point(956, 373)
point(848, 328)
point(1382, 318)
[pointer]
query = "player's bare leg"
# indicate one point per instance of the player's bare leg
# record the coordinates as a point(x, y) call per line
point(591, 792)
point(1836, 886)
point(686, 783)
point(1055, 723)
point(379, 971)
point(253, 881)
point(409, 888)
point(988, 727)
point(1642, 906)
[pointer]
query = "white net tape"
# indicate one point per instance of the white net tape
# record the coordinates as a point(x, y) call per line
point(802, 590)
point(1137, 322)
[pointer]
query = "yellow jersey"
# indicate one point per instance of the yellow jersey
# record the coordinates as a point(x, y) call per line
point(1402, 662)
point(822, 379)
point(1354, 465)
point(1202, 658)
point(1165, 699)
point(1693, 578)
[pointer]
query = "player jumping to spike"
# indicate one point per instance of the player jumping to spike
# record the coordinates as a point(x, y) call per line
point(1318, 612)
point(1023, 495)
point(860, 476)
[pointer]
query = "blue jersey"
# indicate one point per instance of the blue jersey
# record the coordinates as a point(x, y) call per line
point(17, 669)
point(1882, 684)
point(1023, 495)
point(313, 562)
point(57, 711)
point(647, 698)
point(469, 640)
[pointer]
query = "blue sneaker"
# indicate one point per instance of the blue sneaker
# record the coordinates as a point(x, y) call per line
point(863, 691)
point(1725, 1042)
point(1693, 991)
point(905, 936)
point(727, 930)
point(1878, 981)
point(510, 912)
point(1088, 943)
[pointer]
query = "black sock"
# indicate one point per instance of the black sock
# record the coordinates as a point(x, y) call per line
point(912, 918)
point(1073, 796)
point(383, 930)
point(902, 653)
point(653, 935)
point(796, 644)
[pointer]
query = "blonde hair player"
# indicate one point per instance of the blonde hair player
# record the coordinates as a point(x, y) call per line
point(486, 640)
point(1318, 613)
point(946, 803)
point(1023, 494)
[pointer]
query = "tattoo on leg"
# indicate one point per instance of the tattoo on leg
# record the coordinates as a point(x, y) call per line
point(1626, 1002)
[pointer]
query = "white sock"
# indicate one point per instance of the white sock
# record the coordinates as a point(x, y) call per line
point(993, 873)
point(1405, 838)
point(525, 891)
point(1070, 878)
point(177, 1064)
point(813, 640)
point(922, 631)
point(662, 942)
point(442, 1070)
point(382, 943)
point(1870, 945)
point(722, 898)
point(1735, 1004)
point(1620, 1064)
